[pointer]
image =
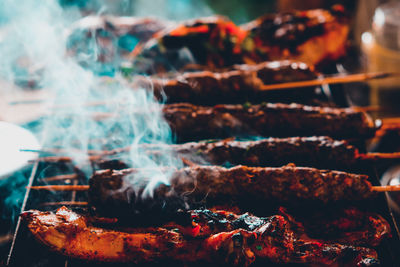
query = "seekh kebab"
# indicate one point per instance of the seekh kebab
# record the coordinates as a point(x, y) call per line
point(288, 184)
point(190, 122)
point(119, 191)
point(318, 151)
point(114, 191)
point(238, 84)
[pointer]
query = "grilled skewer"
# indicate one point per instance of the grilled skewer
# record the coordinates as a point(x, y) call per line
point(268, 81)
point(319, 151)
point(312, 36)
point(190, 122)
point(288, 184)
point(238, 84)
point(204, 236)
point(119, 193)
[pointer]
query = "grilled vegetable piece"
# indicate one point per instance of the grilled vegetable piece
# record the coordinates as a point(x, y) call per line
point(116, 193)
point(313, 36)
point(238, 84)
point(236, 240)
point(190, 122)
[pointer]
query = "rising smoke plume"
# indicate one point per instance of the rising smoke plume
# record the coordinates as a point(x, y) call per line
point(34, 46)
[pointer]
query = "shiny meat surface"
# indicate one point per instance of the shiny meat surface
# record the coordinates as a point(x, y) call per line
point(270, 238)
point(237, 84)
point(313, 36)
point(190, 122)
point(115, 192)
point(318, 151)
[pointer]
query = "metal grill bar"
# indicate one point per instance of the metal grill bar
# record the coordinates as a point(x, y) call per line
point(30, 183)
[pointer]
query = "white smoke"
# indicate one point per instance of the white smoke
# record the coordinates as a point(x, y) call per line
point(36, 33)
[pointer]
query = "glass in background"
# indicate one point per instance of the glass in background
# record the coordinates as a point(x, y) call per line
point(381, 47)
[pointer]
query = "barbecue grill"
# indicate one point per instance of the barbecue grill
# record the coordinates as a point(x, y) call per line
point(25, 251)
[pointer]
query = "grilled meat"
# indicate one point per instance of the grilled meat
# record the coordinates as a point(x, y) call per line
point(319, 151)
point(343, 225)
point(225, 238)
point(238, 84)
point(190, 122)
point(117, 193)
point(312, 36)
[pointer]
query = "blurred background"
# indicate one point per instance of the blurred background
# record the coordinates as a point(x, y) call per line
point(238, 11)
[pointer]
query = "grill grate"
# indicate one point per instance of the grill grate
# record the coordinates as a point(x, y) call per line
point(25, 251)
point(23, 242)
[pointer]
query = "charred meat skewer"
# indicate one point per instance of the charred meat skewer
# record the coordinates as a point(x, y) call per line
point(238, 84)
point(319, 151)
point(225, 238)
point(112, 191)
point(190, 122)
point(288, 184)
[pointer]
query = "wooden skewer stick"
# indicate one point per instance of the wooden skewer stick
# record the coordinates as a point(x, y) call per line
point(368, 108)
point(351, 78)
point(65, 203)
point(388, 126)
point(56, 159)
point(379, 156)
point(77, 151)
point(391, 123)
point(189, 162)
point(60, 177)
point(61, 187)
point(386, 188)
point(391, 120)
